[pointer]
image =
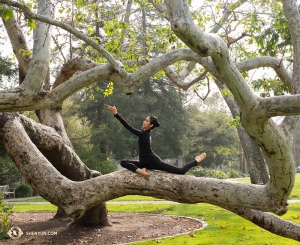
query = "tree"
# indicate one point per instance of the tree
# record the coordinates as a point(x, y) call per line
point(213, 134)
point(36, 148)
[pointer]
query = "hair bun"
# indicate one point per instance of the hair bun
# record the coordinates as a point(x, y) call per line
point(154, 121)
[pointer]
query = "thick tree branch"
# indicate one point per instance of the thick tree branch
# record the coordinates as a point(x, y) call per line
point(285, 105)
point(39, 64)
point(266, 61)
point(71, 67)
point(269, 222)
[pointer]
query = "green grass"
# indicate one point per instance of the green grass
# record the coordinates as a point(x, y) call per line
point(34, 208)
point(136, 198)
point(223, 227)
point(34, 199)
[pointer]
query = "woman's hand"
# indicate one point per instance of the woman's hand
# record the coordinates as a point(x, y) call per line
point(112, 109)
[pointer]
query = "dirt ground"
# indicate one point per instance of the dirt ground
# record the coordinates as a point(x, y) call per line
point(40, 228)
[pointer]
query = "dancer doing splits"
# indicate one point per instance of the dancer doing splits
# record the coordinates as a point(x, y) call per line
point(147, 158)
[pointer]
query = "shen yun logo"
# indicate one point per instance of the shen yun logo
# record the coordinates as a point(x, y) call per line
point(15, 232)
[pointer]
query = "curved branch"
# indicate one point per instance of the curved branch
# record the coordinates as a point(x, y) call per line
point(267, 61)
point(177, 78)
point(148, 70)
point(53, 146)
point(274, 144)
point(269, 222)
point(286, 105)
point(71, 67)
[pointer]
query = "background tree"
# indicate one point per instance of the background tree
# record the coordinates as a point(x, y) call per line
point(213, 134)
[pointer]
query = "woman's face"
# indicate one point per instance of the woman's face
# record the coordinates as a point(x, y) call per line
point(146, 124)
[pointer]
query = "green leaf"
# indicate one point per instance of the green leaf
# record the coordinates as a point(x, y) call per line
point(90, 30)
point(8, 13)
point(109, 89)
point(236, 121)
point(31, 24)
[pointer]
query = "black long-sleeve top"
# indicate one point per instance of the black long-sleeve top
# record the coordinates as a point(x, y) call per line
point(144, 142)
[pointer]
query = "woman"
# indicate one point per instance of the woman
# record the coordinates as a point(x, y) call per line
point(147, 158)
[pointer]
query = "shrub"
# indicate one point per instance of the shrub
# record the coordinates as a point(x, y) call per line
point(218, 174)
point(24, 190)
point(5, 223)
point(233, 173)
point(206, 172)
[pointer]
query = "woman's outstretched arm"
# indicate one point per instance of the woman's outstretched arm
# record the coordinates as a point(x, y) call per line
point(114, 110)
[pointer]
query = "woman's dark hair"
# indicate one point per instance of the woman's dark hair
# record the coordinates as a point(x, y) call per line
point(154, 121)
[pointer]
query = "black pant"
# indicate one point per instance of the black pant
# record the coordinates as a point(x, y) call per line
point(158, 164)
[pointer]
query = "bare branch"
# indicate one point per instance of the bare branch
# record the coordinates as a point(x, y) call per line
point(226, 15)
point(18, 43)
point(232, 41)
point(208, 91)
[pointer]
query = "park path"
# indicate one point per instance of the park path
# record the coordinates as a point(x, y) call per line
point(19, 201)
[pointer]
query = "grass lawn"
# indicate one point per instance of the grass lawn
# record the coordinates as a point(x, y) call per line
point(223, 227)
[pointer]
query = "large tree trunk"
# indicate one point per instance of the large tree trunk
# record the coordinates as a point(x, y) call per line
point(254, 157)
point(78, 172)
